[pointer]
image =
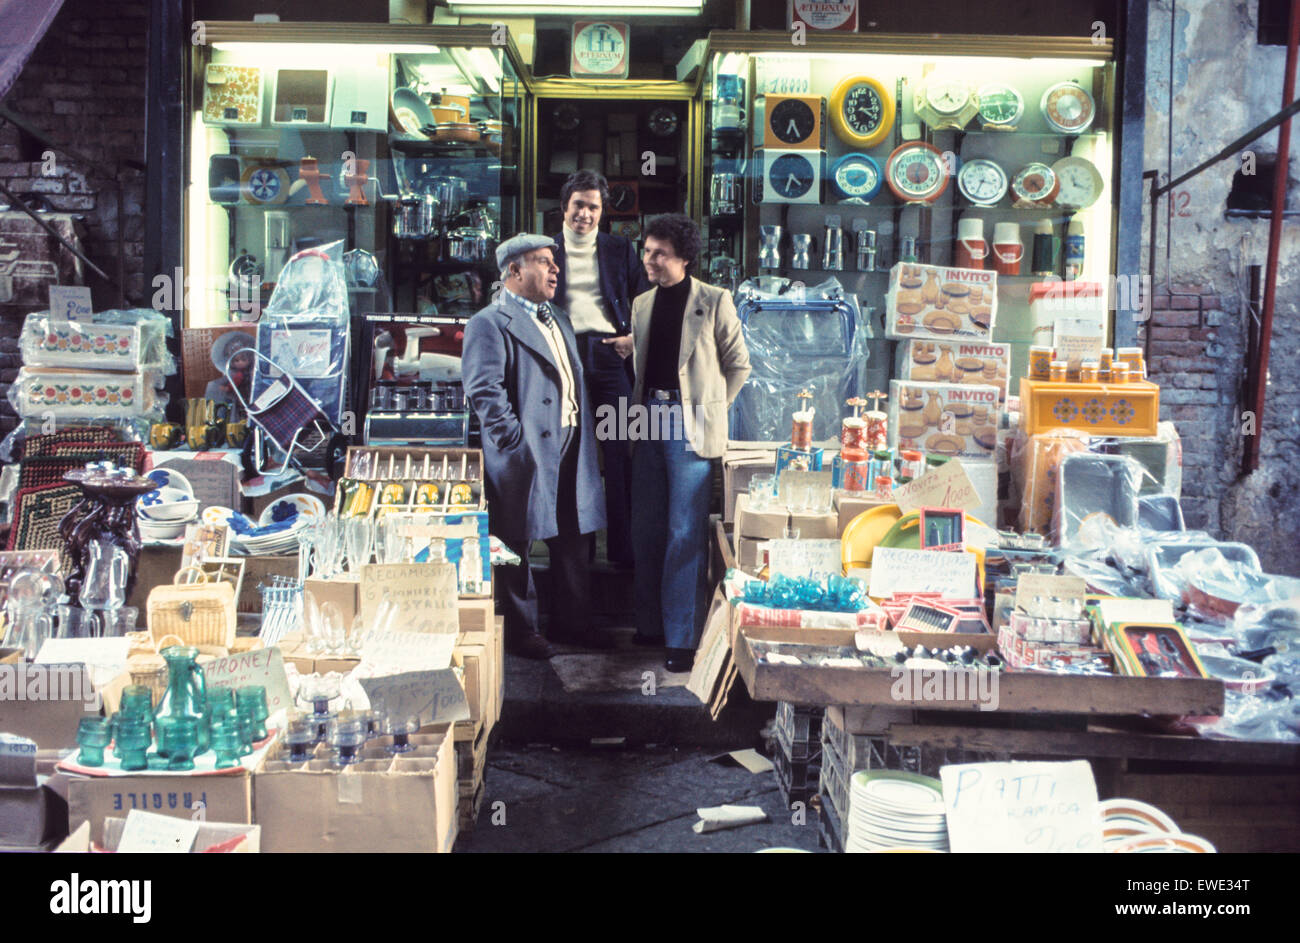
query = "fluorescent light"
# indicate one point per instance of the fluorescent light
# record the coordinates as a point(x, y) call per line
point(312, 52)
point(576, 8)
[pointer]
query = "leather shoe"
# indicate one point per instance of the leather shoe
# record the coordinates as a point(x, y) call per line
point(588, 639)
point(532, 645)
point(649, 641)
point(679, 659)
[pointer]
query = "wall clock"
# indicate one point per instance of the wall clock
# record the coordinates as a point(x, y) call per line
point(794, 122)
point(1000, 107)
point(1080, 181)
point(857, 177)
point(945, 103)
point(791, 176)
point(1035, 186)
point(916, 173)
point(862, 111)
point(982, 182)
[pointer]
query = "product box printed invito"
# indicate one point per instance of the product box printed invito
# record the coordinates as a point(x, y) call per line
point(966, 362)
point(950, 419)
point(934, 301)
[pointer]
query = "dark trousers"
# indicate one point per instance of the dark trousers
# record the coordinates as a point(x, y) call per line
point(609, 379)
point(570, 574)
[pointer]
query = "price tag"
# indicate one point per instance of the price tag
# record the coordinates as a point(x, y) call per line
point(69, 303)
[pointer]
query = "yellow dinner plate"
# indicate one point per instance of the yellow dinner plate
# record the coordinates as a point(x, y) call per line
point(860, 537)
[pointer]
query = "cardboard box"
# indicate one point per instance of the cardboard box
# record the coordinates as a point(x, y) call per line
point(344, 591)
point(940, 303)
point(965, 362)
point(738, 466)
point(210, 833)
point(476, 615)
point(816, 526)
point(293, 648)
point(959, 420)
point(260, 569)
point(747, 554)
point(61, 696)
point(850, 505)
point(226, 796)
point(406, 803)
point(764, 525)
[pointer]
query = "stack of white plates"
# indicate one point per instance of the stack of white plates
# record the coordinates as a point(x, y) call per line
point(890, 810)
point(309, 511)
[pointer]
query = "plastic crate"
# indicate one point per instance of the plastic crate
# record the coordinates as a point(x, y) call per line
point(798, 751)
point(797, 782)
point(830, 830)
point(1124, 409)
point(799, 723)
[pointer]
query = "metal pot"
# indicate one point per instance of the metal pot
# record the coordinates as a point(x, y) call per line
point(451, 193)
point(409, 218)
point(468, 245)
point(478, 216)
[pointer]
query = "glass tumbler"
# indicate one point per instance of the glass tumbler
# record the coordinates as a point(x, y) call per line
point(93, 734)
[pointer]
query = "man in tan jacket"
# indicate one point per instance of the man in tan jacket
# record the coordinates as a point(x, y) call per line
point(690, 361)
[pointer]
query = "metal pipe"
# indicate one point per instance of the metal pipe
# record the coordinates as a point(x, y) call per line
point(20, 205)
point(1274, 240)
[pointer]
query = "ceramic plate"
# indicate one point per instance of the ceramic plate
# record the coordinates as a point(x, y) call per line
point(217, 515)
point(898, 791)
point(309, 507)
point(1166, 844)
point(167, 478)
point(1135, 810)
point(863, 533)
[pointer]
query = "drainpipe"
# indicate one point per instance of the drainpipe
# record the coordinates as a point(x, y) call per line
point(1274, 240)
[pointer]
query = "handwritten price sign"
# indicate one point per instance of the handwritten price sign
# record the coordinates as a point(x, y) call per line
point(69, 302)
point(1022, 807)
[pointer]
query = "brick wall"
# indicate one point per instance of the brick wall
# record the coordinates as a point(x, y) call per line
point(84, 87)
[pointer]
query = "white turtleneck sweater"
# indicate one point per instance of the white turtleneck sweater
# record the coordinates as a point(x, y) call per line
point(585, 304)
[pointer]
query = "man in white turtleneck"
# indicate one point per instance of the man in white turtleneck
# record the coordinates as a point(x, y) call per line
point(600, 274)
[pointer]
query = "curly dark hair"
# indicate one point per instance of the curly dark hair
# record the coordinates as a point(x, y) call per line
point(583, 180)
point(681, 231)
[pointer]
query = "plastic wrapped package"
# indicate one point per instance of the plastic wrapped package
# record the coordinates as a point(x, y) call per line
point(86, 394)
point(304, 330)
point(1214, 587)
point(1161, 457)
point(1171, 562)
point(1093, 487)
point(129, 429)
point(1034, 461)
point(1275, 625)
point(814, 339)
point(1100, 576)
point(1252, 716)
point(122, 341)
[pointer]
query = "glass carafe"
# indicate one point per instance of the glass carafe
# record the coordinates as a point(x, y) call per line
point(186, 692)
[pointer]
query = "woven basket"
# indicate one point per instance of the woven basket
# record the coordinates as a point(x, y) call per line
point(151, 671)
point(200, 614)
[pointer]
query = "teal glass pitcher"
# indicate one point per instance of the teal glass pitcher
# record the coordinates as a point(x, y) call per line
point(186, 692)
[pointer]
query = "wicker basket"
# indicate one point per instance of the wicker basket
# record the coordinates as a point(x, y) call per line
point(151, 671)
point(200, 614)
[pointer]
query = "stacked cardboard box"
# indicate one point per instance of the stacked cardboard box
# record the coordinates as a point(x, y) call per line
point(480, 652)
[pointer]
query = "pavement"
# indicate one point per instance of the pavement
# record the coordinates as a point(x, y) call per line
point(542, 797)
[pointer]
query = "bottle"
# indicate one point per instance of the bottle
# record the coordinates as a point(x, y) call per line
point(1073, 251)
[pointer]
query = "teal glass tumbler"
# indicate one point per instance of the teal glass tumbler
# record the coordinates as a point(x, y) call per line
point(253, 697)
point(179, 736)
point(227, 745)
point(136, 703)
point(131, 741)
point(246, 727)
point(93, 735)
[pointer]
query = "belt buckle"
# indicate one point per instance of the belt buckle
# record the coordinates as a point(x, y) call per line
point(663, 396)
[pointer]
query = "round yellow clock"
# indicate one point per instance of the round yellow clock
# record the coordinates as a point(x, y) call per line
point(862, 111)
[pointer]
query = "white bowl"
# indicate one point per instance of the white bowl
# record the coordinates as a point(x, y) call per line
point(165, 477)
point(180, 511)
point(161, 530)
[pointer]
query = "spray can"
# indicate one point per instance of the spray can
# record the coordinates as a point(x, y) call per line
point(1073, 251)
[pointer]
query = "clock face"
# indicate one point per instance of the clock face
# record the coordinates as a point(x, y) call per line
point(947, 96)
point(1036, 183)
point(792, 121)
point(982, 182)
point(622, 198)
point(862, 110)
point(1081, 182)
point(915, 172)
point(1068, 108)
point(791, 175)
point(857, 176)
point(663, 122)
point(1000, 104)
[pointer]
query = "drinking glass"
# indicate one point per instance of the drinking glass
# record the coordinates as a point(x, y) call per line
point(93, 734)
point(132, 739)
point(359, 536)
point(761, 488)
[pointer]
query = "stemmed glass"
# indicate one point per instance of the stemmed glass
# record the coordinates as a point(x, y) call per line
point(359, 535)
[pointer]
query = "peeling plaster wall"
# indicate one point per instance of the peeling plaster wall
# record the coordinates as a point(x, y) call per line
point(1223, 84)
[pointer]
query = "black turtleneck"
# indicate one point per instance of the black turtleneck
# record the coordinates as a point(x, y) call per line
point(666, 336)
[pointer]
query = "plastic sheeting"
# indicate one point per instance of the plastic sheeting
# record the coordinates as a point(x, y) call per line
point(814, 339)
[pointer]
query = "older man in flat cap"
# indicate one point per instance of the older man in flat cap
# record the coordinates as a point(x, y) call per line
point(523, 376)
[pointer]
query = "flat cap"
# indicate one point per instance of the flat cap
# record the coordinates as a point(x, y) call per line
point(518, 245)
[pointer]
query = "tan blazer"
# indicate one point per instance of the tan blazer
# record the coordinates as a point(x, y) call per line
point(713, 363)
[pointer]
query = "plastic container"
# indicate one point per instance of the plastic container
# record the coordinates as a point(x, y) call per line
point(1132, 409)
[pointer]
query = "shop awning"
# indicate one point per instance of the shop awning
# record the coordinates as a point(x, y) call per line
point(22, 24)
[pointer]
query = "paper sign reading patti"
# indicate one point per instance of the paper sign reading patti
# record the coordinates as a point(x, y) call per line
point(435, 697)
point(263, 666)
point(897, 570)
point(149, 832)
point(425, 594)
point(69, 303)
point(947, 486)
point(803, 557)
point(1026, 807)
point(104, 658)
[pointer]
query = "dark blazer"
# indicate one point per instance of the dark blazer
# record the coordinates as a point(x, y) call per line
point(622, 277)
point(513, 384)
